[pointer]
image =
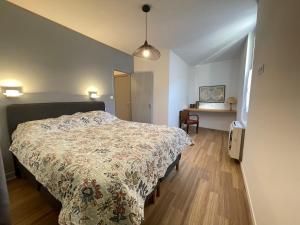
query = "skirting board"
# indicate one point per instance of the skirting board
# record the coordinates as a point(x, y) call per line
point(248, 195)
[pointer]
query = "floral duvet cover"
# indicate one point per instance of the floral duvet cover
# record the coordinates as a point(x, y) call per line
point(99, 167)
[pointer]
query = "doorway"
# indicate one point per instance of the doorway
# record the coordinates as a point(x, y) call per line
point(122, 88)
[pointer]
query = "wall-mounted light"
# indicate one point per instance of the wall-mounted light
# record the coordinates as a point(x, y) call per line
point(93, 95)
point(11, 92)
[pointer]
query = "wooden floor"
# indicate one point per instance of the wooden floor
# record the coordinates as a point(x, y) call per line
point(207, 190)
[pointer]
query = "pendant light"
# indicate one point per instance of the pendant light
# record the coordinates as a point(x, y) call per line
point(147, 51)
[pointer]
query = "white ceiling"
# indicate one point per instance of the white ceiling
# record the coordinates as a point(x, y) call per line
point(199, 31)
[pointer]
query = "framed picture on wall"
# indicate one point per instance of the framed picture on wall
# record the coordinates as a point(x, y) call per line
point(212, 94)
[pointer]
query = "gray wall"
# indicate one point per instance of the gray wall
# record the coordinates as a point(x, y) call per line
point(53, 63)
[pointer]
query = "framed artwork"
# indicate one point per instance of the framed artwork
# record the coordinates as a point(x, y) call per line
point(212, 94)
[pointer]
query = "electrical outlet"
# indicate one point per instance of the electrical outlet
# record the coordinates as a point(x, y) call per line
point(261, 69)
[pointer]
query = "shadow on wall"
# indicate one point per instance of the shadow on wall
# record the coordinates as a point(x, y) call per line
point(36, 98)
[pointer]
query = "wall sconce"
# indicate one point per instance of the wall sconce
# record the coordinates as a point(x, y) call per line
point(93, 95)
point(11, 92)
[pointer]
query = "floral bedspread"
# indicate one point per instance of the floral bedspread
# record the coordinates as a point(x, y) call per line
point(99, 167)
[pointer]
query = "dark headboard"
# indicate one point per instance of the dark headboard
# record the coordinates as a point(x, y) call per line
point(20, 113)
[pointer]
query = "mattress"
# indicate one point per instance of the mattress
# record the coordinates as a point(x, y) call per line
point(99, 167)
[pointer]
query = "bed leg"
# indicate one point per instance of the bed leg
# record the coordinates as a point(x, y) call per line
point(177, 165)
point(38, 186)
point(17, 169)
point(158, 189)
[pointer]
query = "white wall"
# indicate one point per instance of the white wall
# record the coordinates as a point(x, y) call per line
point(160, 70)
point(178, 88)
point(176, 85)
point(271, 161)
point(170, 90)
point(218, 73)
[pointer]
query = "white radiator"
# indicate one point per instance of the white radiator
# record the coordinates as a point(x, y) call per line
point(236, 140)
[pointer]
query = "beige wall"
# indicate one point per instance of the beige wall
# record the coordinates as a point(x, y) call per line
point(160, 69)
point(271, 161)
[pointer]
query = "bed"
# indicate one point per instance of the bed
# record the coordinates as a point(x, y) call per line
point(100, 168)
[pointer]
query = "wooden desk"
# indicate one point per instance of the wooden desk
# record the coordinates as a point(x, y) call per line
point(211, 110)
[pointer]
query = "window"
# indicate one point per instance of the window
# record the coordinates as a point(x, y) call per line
point(247, 91)
point(246, 97)
point(247, 78)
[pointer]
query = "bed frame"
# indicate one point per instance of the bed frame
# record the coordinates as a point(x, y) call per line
point(20, 113)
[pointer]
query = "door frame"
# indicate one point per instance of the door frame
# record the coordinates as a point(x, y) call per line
point(122, 74)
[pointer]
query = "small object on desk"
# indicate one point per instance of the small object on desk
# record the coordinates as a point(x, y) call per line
point(231, 101)
point(186, 118)
point(192, 105)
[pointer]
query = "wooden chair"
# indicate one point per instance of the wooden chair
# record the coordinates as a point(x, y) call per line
point(186, 118)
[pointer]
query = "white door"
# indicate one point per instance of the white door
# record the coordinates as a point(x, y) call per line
point(142, 97)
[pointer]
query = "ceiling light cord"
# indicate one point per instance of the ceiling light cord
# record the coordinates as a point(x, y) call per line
point(146, 27)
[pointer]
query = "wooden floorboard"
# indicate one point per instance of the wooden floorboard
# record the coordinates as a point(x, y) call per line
point(207, 190)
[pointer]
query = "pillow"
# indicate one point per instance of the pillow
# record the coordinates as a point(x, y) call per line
point(92, 118)
point(67, 122)
point(96, 118)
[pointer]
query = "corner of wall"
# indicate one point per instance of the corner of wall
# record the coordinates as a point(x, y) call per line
point(160, 70)
point(253, 220)
point(10, 175)
point(178, 87)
